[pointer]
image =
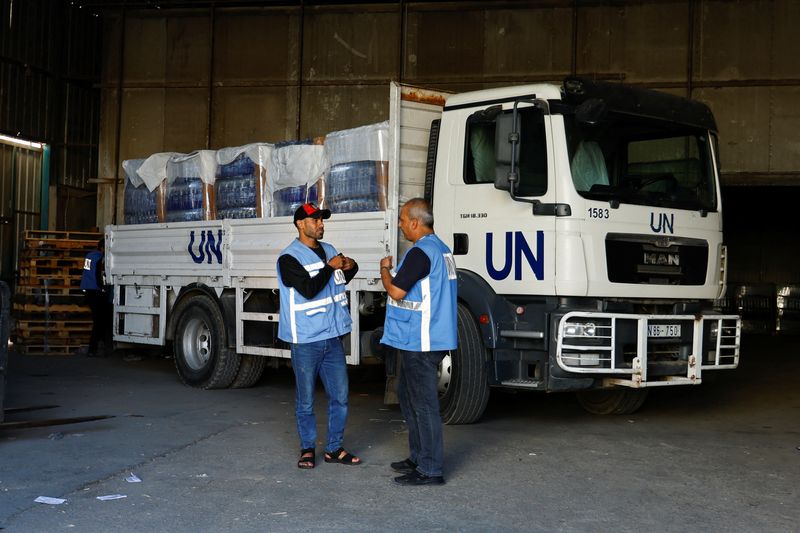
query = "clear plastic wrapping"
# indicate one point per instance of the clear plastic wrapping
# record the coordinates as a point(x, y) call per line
point(346, 171)
point(241, 186)
point(296, 169)
point(140, 204)
point(357, 180)
point(190, 186)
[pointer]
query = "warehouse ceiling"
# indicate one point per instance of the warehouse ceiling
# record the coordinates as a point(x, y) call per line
point(188, 4)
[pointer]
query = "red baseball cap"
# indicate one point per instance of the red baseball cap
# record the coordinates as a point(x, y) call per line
point(311, 210)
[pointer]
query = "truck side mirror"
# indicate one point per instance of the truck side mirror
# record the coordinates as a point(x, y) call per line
point(504, 130)
point(502, 144)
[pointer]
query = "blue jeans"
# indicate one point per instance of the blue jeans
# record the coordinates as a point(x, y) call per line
point(419, 402)
point(326, 360)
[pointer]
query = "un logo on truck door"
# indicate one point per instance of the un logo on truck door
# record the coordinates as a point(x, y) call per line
point(516, 241)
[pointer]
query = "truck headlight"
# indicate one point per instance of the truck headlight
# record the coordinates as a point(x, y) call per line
point(582, 359)
point(580, 330)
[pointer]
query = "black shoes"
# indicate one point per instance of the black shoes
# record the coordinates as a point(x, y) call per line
point(406, 466)
point(417, 478)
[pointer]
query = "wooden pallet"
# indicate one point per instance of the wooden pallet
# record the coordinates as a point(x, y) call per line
point(47, 272)
point(51, 283)
point(52, 317)
point(43, 297)
point(52, 261)
point(51, 290)
point(54, 325)
point(66, 331)
point(33, 311)
point(48, 349)
point(61, 240)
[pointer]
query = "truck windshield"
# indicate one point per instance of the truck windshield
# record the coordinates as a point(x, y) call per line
point(643, 161)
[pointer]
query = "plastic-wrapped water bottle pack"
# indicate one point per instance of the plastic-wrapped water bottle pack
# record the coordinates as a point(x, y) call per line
point(185, 200)
point(286, 201)
point(236, 189)
point(346, 172)
point(353, 187)
point(140, 204)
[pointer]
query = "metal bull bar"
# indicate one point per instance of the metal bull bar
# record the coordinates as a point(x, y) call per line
point(637, 350)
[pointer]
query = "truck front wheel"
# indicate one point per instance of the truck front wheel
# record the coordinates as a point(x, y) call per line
point(612, 401)
point(463, 379)
point(201, 356)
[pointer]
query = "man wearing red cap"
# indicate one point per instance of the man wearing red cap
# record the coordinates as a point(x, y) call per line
point(314, 315)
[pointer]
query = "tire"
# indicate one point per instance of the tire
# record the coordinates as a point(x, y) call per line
point(250, 371)
point(463, 378)
point(202, 357)
point(612, 401)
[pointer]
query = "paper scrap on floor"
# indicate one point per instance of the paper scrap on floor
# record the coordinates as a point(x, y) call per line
point(111, 497)
point(49, 501)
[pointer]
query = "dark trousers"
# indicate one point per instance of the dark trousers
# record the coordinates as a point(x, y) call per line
point(419, 402)
point(102, 314)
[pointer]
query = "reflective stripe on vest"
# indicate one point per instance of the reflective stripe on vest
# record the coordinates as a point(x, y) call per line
point(427, 310)
point(325, 316)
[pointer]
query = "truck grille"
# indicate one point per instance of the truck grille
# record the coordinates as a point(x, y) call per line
point(655, 259)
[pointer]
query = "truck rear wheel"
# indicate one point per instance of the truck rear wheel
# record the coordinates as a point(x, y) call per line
point(250, 371)
point(463, 379)
point(202, 357)
point(612, 401)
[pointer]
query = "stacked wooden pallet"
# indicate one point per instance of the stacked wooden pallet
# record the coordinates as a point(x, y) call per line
point(51, 315)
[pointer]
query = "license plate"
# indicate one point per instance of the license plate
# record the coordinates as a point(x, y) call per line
point(664, 330)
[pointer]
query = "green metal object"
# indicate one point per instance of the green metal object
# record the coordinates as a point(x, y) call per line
point(44, 205)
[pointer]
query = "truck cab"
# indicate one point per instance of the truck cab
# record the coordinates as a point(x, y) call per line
point(586, 224)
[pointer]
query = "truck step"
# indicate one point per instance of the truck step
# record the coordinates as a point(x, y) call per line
point(522, 383)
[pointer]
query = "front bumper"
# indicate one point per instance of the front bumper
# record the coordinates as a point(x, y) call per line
point(636, 350)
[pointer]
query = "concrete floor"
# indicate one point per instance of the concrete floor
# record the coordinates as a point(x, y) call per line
point(724, 456)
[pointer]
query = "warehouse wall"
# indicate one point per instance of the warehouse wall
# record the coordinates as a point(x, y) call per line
point(213, 76)
point(49, 69)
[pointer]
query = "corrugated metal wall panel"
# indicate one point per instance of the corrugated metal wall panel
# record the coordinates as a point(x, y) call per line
point(7, 218)
point(20, 186)
point(49, 65)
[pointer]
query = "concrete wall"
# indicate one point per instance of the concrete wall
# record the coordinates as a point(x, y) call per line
point(208, 77)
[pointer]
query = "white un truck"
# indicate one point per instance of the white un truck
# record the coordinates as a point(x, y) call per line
point(586, 224)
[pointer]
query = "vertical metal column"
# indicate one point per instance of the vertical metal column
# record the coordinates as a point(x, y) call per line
point(300, 70)
point(44, 203)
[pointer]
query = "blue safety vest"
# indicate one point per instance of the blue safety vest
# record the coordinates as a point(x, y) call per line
point(324, 316)
point(89, 275)
point(426, 319)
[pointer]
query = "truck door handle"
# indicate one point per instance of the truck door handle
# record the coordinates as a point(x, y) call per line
point(460, 243)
